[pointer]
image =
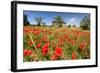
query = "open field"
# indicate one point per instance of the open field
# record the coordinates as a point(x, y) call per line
point(52, 43)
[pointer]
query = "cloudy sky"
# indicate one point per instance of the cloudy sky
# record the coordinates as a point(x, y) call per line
point(48, 17)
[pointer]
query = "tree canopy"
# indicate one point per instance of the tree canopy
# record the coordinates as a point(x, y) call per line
point(26, 22)
point(58, 21)
point(39, 20)
point(85, 23)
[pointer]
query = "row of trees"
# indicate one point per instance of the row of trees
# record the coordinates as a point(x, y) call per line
point(59, 22)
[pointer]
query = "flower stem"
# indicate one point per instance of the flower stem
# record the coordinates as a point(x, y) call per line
point(32, 41)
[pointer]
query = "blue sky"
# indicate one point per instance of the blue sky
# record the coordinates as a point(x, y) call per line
point(48, 17)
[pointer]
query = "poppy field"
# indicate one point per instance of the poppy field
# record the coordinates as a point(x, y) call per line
point(52, 43)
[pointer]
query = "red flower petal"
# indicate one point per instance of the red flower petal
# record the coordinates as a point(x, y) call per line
point(45, 49)
point(25, 52)
point(58, 51)
point(73, 55)
point(38, 45)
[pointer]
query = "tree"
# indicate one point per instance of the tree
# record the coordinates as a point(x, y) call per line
point(74, 25)
point(26, 22)
point(85, 23)
point(69, 25)
point(58, 20)
point(44, 24)
point(39, 20)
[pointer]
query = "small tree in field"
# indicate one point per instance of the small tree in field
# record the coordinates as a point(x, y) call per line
point(69, 25)
point(58, 21)
point(74, 25)
point(39, 20)
point(85, 23)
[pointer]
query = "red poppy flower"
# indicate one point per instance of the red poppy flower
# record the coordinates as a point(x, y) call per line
point(73, 55)
point(44, 39)
point(50, 33)
point(69, 40)
point(37, 32)
point(45, 49)
point(33, 32)
point(81, 46)
point(46, 45)
point(27, 52)
point(77, 33)
point(73, 42)
point(54, 57)
point(26, 30)
point(38, 45)
point(58, 51)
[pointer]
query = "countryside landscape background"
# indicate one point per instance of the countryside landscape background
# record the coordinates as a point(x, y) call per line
point(55, 36)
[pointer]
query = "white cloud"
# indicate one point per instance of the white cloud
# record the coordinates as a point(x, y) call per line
point(73, 19)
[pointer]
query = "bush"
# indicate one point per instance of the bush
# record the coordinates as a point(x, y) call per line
point(74, 25)
point(69, 25)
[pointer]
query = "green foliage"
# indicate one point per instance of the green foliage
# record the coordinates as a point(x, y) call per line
point(69, 25)
point(74, 25)
point(39, 20)
point(85, 23)
point(26, 22)
point(58, 21)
